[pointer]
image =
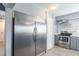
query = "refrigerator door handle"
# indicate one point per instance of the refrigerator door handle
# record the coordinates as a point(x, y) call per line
point(34, 34)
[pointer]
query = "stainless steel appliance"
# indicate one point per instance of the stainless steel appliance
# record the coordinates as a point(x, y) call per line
point(64, 39)
point(29, 36)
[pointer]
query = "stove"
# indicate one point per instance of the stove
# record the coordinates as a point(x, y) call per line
point(64, 40)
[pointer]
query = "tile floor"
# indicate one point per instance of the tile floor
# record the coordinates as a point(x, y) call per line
point(58, 51)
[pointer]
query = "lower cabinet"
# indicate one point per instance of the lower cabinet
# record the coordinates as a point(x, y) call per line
point(77, 43)
point(56, 39)
point(74, 43)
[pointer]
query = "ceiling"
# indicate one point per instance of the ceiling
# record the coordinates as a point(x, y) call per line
point(39, 8)
point(36, 9)
point(67, 8)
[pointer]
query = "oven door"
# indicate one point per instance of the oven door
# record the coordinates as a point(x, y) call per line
point(64, 41)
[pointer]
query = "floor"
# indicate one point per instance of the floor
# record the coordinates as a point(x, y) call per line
point(1, 51)
point(58, 51)
point(1, 48)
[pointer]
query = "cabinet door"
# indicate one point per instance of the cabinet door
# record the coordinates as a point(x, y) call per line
point(73, 43)
point(77, 43)
point(56, 39)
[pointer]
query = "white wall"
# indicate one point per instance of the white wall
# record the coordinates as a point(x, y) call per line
point(2, 23)
point(2, 13)
point(73, 24)
point(73, 27)
point(50, 30)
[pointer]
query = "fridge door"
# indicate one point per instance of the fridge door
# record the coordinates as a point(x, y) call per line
point(23, 36)
point(40, 38)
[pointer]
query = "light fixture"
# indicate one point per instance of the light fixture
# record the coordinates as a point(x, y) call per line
point(53, 8)
point(28, 23)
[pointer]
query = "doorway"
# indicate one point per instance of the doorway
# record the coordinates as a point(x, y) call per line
point(2, 26)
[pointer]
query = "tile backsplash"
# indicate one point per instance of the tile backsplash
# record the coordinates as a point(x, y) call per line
point(71, 26)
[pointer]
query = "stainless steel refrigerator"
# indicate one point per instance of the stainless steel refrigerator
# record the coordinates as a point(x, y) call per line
point(29, 36)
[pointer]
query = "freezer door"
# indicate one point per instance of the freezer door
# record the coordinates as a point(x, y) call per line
point(23, 42)
point(40, 38)
point(23, 36)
